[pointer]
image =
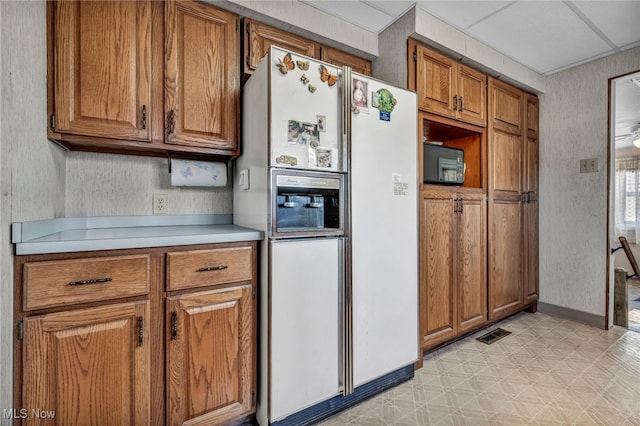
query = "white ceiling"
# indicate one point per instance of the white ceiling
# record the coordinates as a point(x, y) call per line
point(546, 36)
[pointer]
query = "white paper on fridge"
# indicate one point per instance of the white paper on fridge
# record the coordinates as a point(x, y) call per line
point(198, 173)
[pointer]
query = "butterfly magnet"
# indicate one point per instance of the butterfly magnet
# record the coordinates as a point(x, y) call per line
point(303, 65)
point(286, 64)
point(327, 77)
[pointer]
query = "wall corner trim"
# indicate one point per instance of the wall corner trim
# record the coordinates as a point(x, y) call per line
point(572, 314)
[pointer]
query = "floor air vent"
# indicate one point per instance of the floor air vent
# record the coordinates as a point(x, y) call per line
point(493, 336)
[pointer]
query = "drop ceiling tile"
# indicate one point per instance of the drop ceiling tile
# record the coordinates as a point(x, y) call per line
point(546, 36)
point(462, 14)
point(355, 12)
point(393, 8)
point(619, 20)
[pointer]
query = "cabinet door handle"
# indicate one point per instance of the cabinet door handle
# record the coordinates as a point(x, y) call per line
point(91, 281)
point(455, 102)
point(461, 104)
point(140, 331)
point(174, 325)
point(170, 122)
point(461, 206)
point(144, 117)
point(212, 268)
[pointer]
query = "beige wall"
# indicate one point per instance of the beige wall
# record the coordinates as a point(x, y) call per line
point(32, 169)
point(573, 206)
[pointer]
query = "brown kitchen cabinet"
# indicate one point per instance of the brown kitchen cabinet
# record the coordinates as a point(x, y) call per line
point(211, 351)
point(102, 69)
point(453, 289)
point(143, 77)
point(507, 217)
point(340, 58)
point(202, 82)
point(259, 37)
point(447, 87)
point(530, 202)
point(117, 337)
point(211, 377)
point(89, 366)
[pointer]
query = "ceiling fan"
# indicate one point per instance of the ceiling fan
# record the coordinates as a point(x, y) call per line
point(634, 135)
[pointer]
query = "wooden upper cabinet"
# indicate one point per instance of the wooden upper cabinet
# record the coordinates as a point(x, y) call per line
point(506, 112)
point(259, 37)
point(472, 95)
point(533, 119)
point(505, 105)
point(89, 366)
point(448, 88)
point(102, 69)
point(435, 82)
point(340, 58)
point(201, 76)
point(211, 372)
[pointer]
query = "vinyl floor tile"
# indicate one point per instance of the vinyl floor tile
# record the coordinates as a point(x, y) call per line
point(549, 371)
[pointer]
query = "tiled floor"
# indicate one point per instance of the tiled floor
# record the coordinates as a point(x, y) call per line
point(549, 371)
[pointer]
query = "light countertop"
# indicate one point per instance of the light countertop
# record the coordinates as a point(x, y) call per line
point(63, 235)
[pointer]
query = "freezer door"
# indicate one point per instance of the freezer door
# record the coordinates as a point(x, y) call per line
point(384, 230)
point(305, 125)
point(305, 344)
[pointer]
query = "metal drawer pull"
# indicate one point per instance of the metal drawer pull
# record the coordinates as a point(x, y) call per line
point(212, 268)
point(140, 331)
point(91, 281)
point(174, 325)
point(144, 117)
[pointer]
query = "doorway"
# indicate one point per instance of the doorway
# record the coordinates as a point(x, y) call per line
point(625, 191)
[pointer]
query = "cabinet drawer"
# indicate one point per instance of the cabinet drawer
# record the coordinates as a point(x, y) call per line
point(190, 269)
point(63, 282)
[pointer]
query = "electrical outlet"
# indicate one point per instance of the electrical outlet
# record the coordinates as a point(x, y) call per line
point(160, 204)
point(588, 165)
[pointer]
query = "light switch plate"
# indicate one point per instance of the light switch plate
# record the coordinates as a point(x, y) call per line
point(244, 179)
point(588, 165)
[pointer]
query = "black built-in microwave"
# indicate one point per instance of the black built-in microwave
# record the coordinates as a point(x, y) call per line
point(443, 165)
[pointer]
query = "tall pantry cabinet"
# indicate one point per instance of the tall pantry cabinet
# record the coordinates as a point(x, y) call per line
point(513, 207)
point(479, 240)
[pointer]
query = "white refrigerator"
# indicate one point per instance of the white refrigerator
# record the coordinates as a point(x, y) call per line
point(338, 314)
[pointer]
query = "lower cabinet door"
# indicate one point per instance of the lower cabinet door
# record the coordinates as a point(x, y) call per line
point(88, 366)
point(438, 291)
point(211, 356)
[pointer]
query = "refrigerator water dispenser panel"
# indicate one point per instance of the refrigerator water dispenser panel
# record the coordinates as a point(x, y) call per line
point(306, 204)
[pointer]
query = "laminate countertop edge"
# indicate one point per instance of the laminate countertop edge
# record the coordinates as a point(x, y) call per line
point(64, 235)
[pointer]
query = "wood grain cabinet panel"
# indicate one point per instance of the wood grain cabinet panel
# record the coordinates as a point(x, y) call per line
point(89, 366)
point(64, 282)
point(191, 269)
point(453, 279)
point(530, 203)
point(211, 356)
point(259, 37)
point(340, 58)
point(103, 68)
point(472, 261)
point(137, 353)
point(506, 289)
point(438, 293)
point(202, 83)
point(448, 88)
point(509, 156)
point(505, 105)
